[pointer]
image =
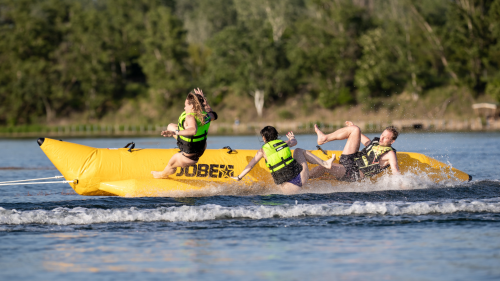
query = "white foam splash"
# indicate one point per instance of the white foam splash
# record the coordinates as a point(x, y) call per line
point(409, 181)
point(79, 215)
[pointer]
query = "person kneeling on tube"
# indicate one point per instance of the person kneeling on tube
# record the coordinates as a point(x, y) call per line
point(289, 172)
point(191, 133)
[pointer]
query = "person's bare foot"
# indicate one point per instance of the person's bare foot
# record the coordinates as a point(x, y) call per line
point(158, 175)
point(330, 161)
point(321, 135)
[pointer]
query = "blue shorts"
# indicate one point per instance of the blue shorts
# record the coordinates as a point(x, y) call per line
point(297, 181)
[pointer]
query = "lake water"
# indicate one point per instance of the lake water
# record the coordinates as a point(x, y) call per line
point(447, 231)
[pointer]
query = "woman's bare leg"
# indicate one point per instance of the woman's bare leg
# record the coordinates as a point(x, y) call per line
point(299, 156)
point(178, 160)
point(313, 159)
point(302, 156)
point(317, 172)
point(336, 170)
point(289, 188)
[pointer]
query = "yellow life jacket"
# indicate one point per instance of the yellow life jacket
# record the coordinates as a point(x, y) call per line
point(195, 143)
point(280, 161)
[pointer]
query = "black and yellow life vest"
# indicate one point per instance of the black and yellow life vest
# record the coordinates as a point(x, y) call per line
point(280, 161)
point(368, 159)
point(195, 143)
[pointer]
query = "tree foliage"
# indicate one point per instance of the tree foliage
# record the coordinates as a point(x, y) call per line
point(87, 56)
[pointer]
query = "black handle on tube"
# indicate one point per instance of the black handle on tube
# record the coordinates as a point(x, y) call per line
point(131, 144)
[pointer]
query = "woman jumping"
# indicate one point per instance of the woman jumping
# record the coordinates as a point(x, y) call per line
point(190, 132)
point(290, 173)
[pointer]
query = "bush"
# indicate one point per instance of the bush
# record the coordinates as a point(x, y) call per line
point(493, 89)
point(285, 114)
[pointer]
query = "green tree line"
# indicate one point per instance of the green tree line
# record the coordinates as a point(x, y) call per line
point(58, 57)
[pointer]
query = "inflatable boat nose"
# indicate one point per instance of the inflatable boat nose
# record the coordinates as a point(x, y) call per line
point(40, 141)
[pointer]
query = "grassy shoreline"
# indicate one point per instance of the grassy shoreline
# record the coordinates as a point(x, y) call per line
point(412, 125)
point(449, 109)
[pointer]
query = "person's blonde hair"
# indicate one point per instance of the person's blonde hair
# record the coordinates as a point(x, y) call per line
point(197, 102)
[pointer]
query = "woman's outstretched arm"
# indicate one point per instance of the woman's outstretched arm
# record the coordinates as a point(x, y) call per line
point(190, 128)
point(250, 165)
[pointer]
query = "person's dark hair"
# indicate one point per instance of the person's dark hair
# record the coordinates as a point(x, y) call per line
point(394, 132)
point(270, 133)
point(197, 101)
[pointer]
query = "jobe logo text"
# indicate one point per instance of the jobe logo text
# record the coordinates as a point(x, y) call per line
point(207, 170)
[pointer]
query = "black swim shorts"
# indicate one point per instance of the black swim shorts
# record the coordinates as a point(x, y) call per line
point(194, 157)
point(351, 169)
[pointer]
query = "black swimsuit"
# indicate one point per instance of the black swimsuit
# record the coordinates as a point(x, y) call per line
point(195, 157)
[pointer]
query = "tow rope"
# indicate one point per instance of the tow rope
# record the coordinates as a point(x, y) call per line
point(24, 182)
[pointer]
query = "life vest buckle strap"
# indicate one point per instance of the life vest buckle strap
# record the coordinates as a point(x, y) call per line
point(193, 138)
point(282, 162)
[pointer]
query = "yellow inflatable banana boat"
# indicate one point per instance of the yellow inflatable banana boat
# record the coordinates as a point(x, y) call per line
point(127, 171)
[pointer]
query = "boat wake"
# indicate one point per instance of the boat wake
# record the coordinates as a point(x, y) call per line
point(80, 215)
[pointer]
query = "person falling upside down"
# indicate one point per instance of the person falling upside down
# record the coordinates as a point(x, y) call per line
point(377, 155)
point(290, 173)
point(191, 133)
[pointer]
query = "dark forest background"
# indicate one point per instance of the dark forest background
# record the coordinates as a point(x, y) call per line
point(92, 58)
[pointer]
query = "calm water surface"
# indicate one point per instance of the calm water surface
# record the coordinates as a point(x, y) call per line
point(359, 231)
